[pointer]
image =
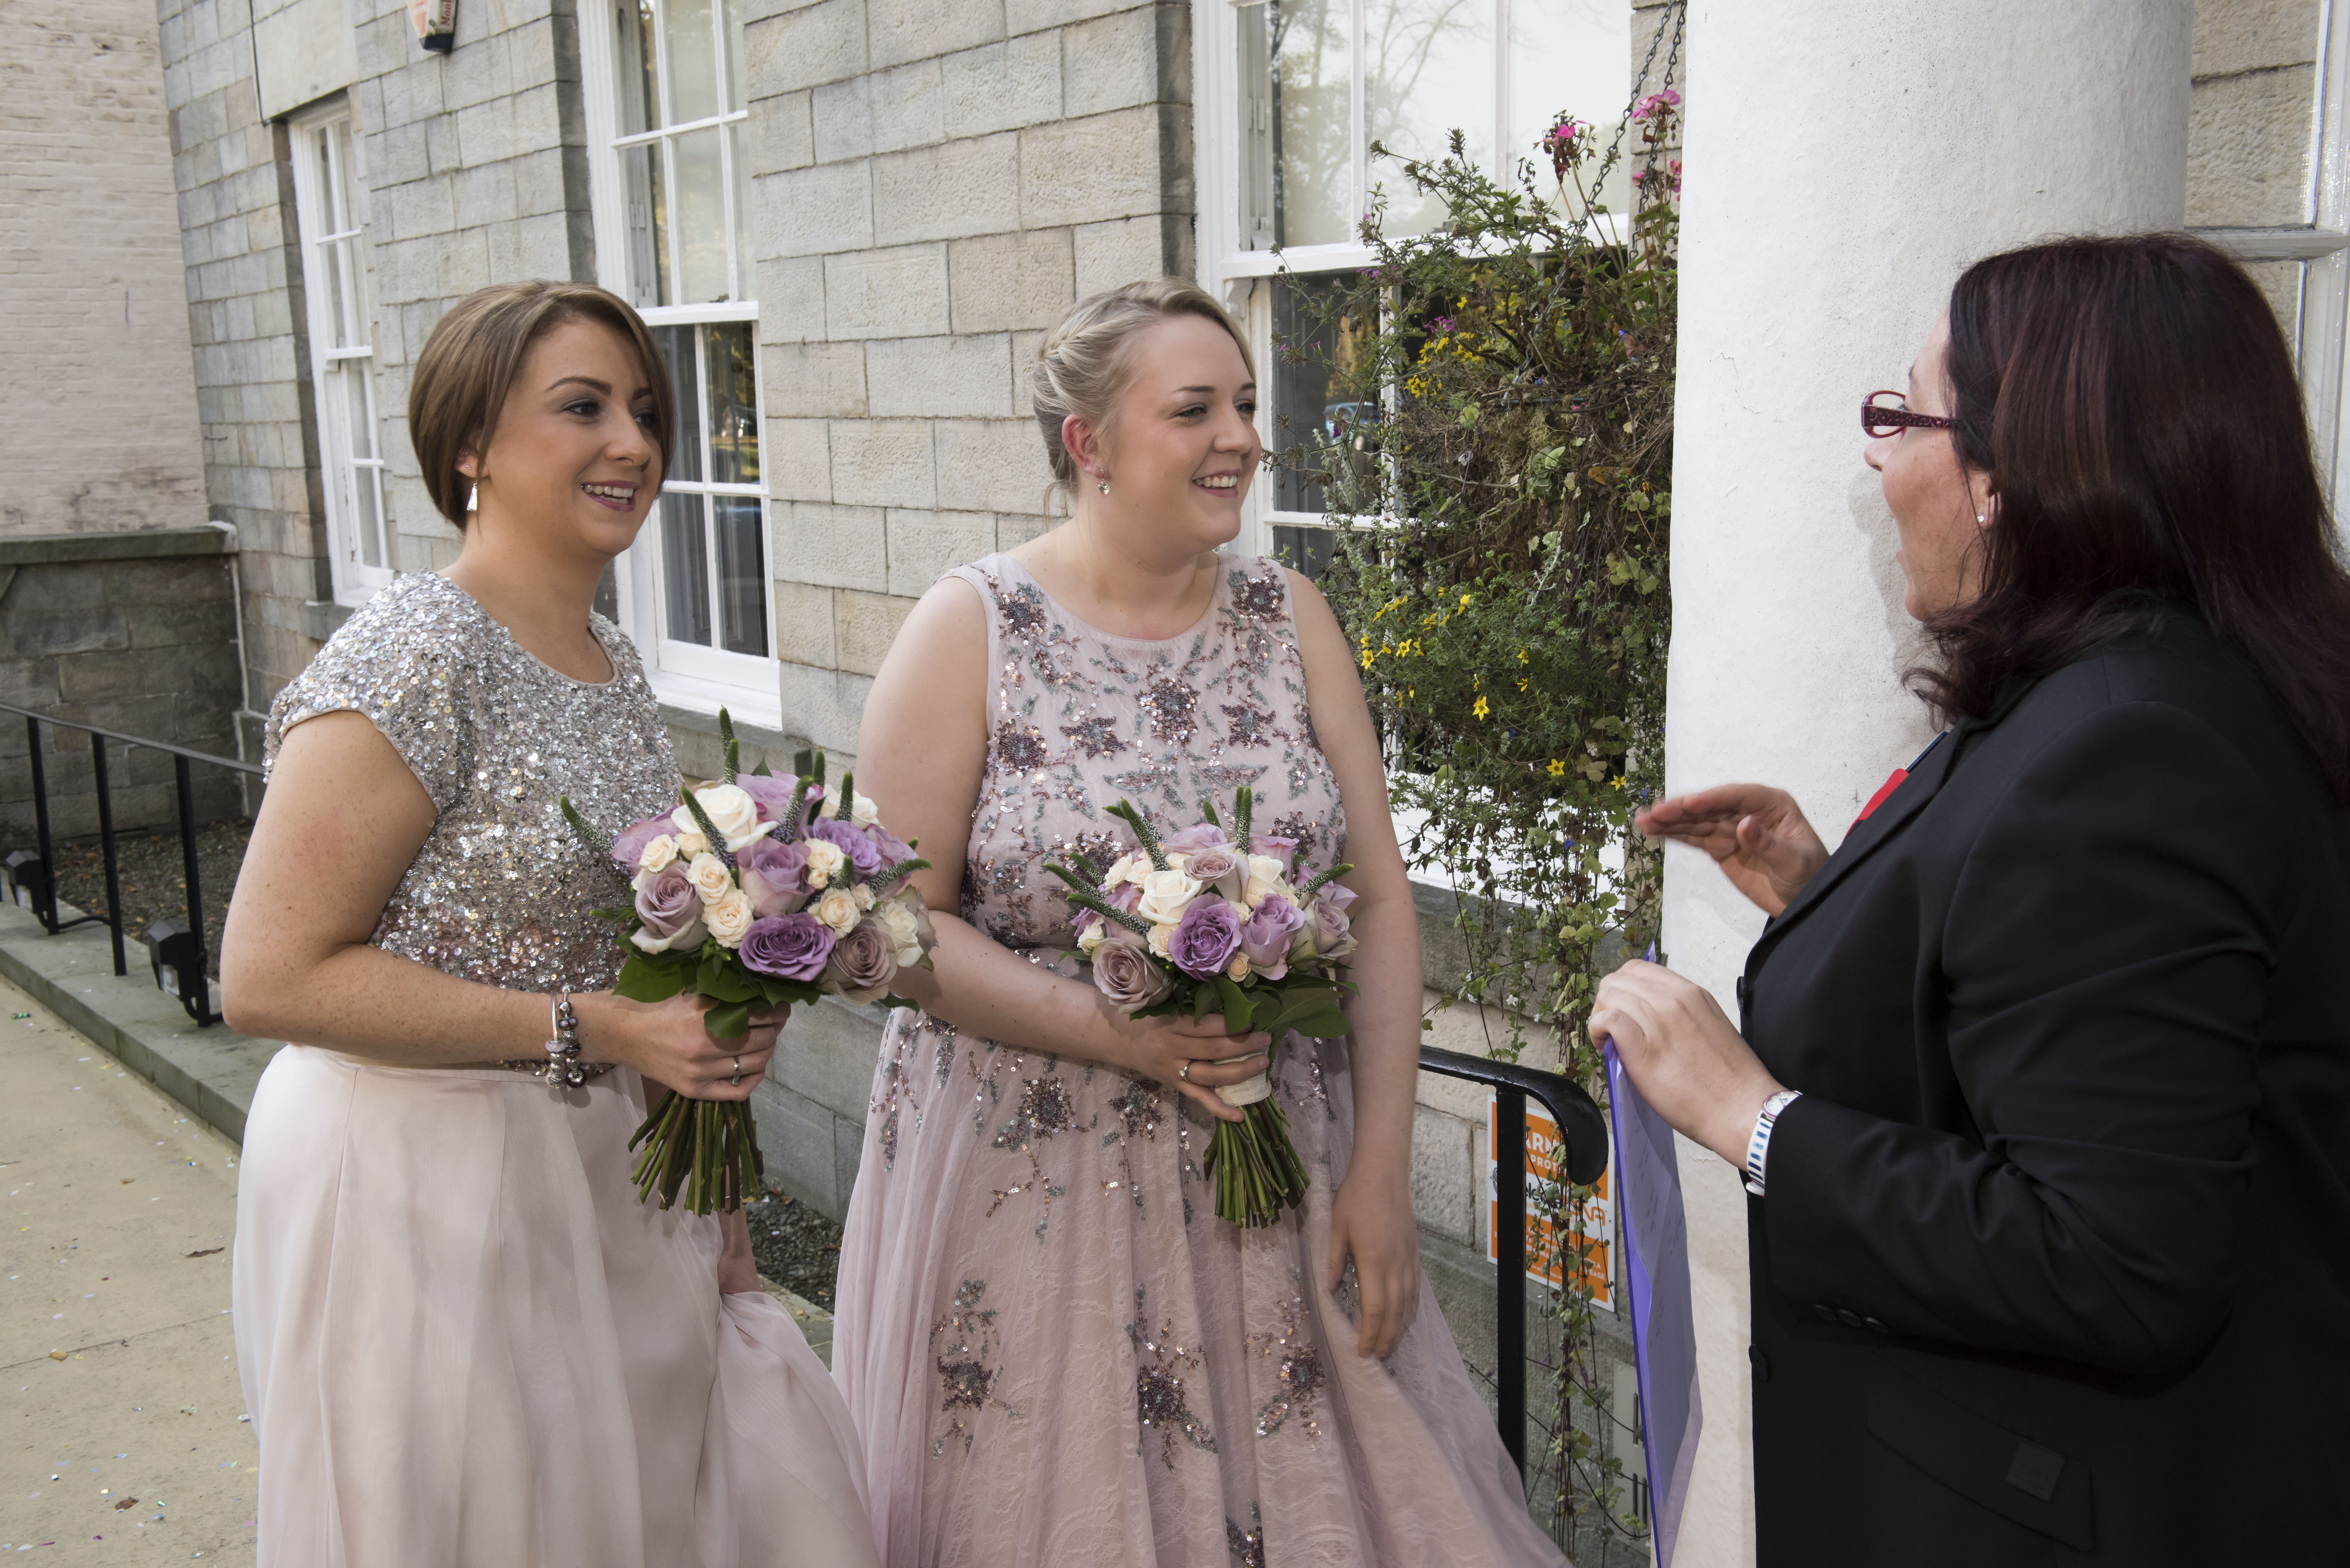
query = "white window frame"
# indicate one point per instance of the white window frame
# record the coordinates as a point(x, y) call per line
point(342, 469)
point(1234, 267)
point(688, 675)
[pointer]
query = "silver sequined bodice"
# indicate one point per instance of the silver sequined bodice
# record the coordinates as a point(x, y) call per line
point(500, 891)
point(1079, 719)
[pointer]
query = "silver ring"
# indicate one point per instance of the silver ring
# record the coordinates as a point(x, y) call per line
point(1184, 1072)
point(738, 1071)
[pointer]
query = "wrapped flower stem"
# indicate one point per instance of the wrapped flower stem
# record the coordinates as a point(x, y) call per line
point(1254, 1165)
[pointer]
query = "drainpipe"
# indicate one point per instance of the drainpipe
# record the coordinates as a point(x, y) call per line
point(244, 673)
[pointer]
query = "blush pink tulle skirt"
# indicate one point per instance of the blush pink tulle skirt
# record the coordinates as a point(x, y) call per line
point(464, 1340)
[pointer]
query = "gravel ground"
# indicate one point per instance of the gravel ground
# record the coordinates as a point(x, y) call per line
point(154, 882)
point(797, 1247)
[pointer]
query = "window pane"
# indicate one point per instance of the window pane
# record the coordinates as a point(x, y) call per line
point(331, 260)
point(1305, 551)
point(1310, 418)
point(678, 346)
point(692, 60)
point(648, 216)
point(739, 154)
point(640, 92)
point(742, 573)
point(734, 403)
point(1428, 71)
point(341, 131)
point(1313, 162)
point(730, 43)
point(685, 570)
point(701, 241)
point(369, 519)
point(1571, 57)
point(354, 376)
point(324, 213)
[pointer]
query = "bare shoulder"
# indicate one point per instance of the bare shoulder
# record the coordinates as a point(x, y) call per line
point(934, 678)
point(1318, 633)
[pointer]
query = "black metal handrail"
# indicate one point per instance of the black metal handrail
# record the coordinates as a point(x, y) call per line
point(1583, 1155)
point(180, 953)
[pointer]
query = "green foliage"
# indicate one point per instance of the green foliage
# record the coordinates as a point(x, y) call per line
point(1504, 584)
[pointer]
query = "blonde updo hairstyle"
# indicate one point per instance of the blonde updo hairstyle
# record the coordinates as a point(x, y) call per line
point(1086, 361)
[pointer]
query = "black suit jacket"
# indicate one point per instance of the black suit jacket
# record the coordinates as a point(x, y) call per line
point(2055, 1266)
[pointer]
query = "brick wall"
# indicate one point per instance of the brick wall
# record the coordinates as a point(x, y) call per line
point(936, 180)
point(94, 353)
point(245, 313)
point(477, 170)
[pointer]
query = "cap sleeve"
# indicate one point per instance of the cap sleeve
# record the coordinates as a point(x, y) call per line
point(408, 666)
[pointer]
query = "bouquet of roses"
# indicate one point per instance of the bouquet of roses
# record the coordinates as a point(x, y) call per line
point(1205, 921)
point(749, 895)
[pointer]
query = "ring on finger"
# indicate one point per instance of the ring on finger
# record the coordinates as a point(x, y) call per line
point(1184, 1072)
point(738, 1071)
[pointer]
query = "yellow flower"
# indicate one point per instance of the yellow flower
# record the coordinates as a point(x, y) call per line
point(1367, 656)
point(1522, 682)
point(1619, 781)
point(1484, 709)
point(1522, 657)
point(1464, 600)
point(1557, 769)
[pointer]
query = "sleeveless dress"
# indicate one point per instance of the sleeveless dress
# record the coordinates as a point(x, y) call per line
point(463, 1339)
point(1057, 1355)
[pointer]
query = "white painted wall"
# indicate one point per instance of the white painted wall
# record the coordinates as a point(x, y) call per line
point(1843, 166)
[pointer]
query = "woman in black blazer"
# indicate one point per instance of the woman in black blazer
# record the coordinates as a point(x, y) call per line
point(2044, 1074)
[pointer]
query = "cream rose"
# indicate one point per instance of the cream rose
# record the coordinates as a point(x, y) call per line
point(1264, 879)
point(1238, 968)
point(837, 909)
point(1164, 895)
point(731, 811)
point(1090, 939)
point(1160, 936)
point(904, 932)
point(729, 916)
point(1122, 870)
point(862, 810)
point(863, 893)
point(824, 863)
point(658, 854)
point(690, 845)
point(710, 877)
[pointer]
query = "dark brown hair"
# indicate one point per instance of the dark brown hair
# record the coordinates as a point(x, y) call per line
point(472, 357)
point(2133, 401)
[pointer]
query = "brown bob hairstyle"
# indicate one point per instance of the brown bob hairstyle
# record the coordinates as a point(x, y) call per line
point(2134, 405)
point(476, 352)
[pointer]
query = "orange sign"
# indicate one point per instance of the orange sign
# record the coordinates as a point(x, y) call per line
point(1593, 1241)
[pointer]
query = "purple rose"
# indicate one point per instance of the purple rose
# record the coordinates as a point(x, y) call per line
point(1267, 936)
point(774, 876)
point(1205, 939)
point(889, 846)
point(1334, 933)
point(670, 910)
point(863, 859)
point(1124, 973)
point(629, 844)
point(1281, 849)
point(1124, 896)
point(1339, 895)
point(861, 966)
point(789, 947)
point(1222, 867)
point(1191, 840)
point(771, 794)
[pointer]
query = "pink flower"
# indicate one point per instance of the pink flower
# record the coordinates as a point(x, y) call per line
point(1281, 849)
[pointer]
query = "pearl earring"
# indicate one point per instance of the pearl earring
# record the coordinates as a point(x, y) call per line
point(1105, 487)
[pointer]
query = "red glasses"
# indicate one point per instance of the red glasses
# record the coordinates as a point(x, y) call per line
point(1881, 419)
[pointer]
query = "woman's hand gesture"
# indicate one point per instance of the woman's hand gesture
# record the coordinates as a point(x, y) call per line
point(1193, 1055)
point(1757, 835)
point(668, 1045)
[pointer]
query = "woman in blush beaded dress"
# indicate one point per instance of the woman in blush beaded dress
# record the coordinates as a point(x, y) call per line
point(463, 1339)
point(1057, 1355)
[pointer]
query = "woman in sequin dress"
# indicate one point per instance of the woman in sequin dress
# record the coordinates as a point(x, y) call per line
point(1057, 1355)
point(463, 1339)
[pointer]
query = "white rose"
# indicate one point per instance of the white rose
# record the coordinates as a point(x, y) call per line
point(710, 877)
point(731, 810)
point(1265, 880)
point(905, 936)
point(1164, 895)
point(837, 909)
point(658, 854)
point(1090, 939)
point(1121, 868)
point(690, 845)
point(824, 863)
point(1238, 968)
point(1160, 936)
point(730, 917)
point(862, 810)
point(863, 895)
point(1140, 870)
point(1177, 860)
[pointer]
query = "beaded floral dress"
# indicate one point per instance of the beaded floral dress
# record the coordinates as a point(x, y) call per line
point(462, 1340)
point(1057, 1355)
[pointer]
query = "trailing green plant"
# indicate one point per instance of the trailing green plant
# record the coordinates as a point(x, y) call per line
point(1495, 457)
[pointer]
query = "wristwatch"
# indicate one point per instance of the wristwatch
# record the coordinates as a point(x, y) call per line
point(1758, 1147)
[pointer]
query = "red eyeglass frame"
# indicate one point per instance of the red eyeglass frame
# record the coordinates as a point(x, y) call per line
point(1872, 417)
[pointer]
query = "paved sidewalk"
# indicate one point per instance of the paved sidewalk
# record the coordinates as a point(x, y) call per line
point(120, 1429)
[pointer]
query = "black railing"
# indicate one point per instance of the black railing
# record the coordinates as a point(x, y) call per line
point(176, 951)
point(1582, 1158)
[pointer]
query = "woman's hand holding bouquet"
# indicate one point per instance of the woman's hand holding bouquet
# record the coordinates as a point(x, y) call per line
point(748, 896)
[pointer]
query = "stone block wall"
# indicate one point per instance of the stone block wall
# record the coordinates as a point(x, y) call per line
point(476, 169)
point(240, 244)
point(2251, 115)
point(133, 632)
point(94, 352)
point(935, 182)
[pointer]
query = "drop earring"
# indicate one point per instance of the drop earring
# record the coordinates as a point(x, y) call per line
point(1105, 486)
point(473, 500)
